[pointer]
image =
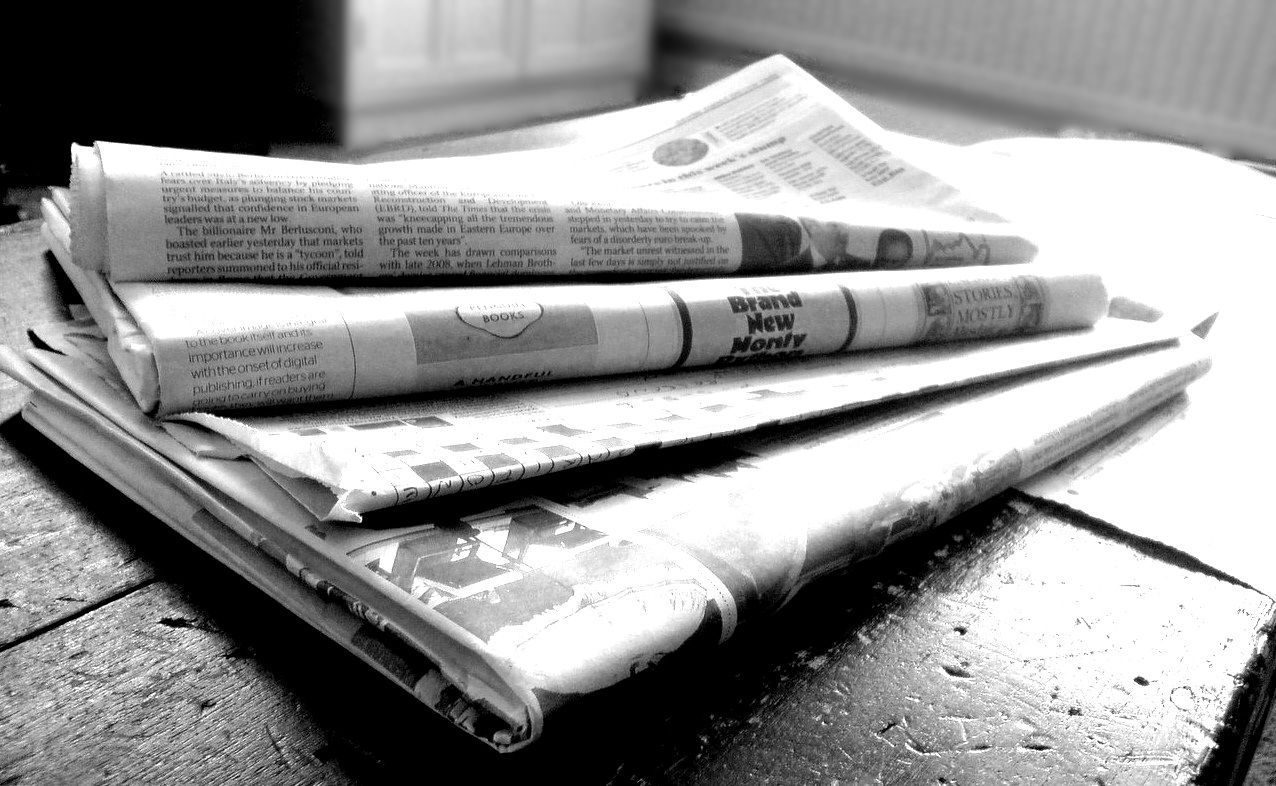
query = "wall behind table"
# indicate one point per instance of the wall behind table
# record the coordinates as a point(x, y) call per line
point(203, 76)
point(238, 76)
point(1203, 72)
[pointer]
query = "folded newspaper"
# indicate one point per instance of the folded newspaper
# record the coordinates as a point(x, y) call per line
point(765, 171)
point(496, 608)
point(345, 461)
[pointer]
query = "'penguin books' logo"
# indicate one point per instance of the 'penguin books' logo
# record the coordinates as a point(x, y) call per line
point(503, 320)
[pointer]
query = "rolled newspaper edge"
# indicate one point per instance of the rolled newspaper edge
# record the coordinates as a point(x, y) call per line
point(88, 220)
point(238, 346)
point(159, 214)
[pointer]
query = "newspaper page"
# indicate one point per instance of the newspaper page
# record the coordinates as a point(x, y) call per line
point(349, 460)
point(532, 595)
point(766, 171)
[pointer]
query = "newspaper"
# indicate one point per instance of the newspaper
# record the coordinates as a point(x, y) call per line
point(495, 608)
point(348, 460)
point(526, 597)
point(216, 345)
point(765, 171)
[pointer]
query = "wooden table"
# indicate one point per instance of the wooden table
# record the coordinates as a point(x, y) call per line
point(1018, 644)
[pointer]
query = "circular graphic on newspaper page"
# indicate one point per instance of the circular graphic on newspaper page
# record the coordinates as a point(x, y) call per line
point(680, 152)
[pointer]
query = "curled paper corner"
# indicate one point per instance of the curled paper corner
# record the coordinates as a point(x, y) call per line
point(342, 508)
point(285, 453)
point(1122, 307)
point(325, 502)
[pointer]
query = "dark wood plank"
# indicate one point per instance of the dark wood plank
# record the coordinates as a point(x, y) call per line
point(143, 690)
point(56, 557)
point(1027, 649)
point(30, 295)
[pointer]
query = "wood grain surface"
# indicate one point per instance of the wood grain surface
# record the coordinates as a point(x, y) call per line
point(58, 561)
point(1018, 644)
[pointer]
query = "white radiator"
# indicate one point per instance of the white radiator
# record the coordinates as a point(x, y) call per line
point(1200, 70)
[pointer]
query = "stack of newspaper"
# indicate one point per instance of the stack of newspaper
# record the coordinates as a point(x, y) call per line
point(510, 495)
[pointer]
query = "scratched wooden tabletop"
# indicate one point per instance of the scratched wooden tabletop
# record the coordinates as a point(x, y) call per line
point(1017, 644)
